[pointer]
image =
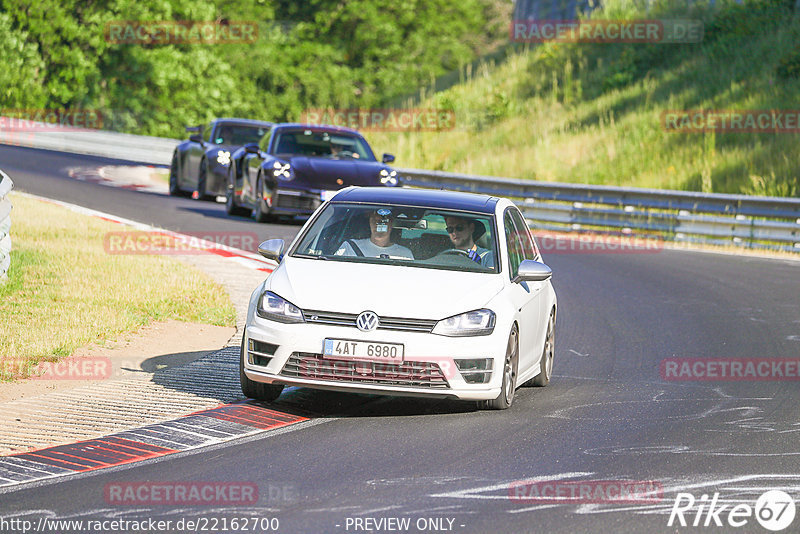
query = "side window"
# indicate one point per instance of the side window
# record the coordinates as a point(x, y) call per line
point(515, 252)
point(208, 129)
point(264, 143)
point(529, 249)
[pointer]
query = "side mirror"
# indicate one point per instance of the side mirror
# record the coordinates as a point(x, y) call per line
point(251, 148)
point(196, 138)
point(533, 271)
point(272, 249)
point(388, 158)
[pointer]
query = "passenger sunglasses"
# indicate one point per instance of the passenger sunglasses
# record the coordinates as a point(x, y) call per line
point(457, 228)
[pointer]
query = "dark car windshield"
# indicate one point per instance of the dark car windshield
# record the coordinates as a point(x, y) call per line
point(401, 235)
point(335, 145)
point(237, 134)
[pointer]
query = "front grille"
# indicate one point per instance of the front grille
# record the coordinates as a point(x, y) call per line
point(409, 374)
point(384, 323)
point(296, 202)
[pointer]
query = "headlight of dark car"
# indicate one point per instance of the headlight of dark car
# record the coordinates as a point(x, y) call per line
point(224, 158)
point(282, 171)
point(388, 177)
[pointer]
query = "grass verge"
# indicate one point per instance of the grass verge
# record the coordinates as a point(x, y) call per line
point(64, 291)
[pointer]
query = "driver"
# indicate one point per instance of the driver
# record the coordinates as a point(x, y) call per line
point(462, 233)
point(379, 244)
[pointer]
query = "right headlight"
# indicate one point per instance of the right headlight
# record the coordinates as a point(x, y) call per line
point(271, 306)
point(472, 323)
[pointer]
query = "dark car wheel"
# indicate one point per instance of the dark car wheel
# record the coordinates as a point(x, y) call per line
point(231, 208)
point(174, 188)
point(201, 180)
point(258, 213)
point(546, 362)
point(256, 390)
point(510, 365)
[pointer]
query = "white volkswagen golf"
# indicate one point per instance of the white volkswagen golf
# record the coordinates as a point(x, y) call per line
point(404, 292)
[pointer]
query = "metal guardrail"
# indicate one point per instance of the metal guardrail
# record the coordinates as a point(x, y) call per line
point(718, 219)
point(738, 220)
point(5, 225)
point(138, 148)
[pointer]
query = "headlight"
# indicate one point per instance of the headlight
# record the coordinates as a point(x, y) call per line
point(271, 306)
point(473, 323)
point(282, 171)
point(388, 177)
point(224, 158)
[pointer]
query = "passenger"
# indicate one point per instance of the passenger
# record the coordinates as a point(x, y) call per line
point(463, 232)
point(379, 244)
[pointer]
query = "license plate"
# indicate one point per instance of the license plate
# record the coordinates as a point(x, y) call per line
point(346, 349)
point(326, 195)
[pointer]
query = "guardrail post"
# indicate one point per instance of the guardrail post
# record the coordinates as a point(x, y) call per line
point(5, 226)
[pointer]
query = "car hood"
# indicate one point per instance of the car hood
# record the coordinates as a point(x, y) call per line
point(325, 172)
point(388, 290)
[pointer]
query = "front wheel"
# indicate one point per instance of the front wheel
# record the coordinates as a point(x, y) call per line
point(201, 180)
point(510, 365)
point(174, 188)
point(258, 213)
point(256, 390)
point(231, 208)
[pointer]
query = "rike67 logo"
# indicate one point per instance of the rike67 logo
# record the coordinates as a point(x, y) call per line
point(774, 510)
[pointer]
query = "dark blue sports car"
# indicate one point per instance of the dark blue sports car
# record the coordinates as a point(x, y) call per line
point(296, 167)
point(200, 165)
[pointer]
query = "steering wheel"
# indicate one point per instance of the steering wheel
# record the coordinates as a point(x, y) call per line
point(454, 252)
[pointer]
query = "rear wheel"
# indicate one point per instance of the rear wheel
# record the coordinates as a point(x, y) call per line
point(510, 365)
point(546, 362)
point(256, 390)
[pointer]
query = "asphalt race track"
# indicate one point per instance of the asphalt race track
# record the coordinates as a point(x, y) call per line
point(608, 416)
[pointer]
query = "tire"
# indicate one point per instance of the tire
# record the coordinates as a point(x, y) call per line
point(201, 180)
point(258, 211)
point(510, 365)
point(256, 390)
point(548, 354)
point(174, 188)
point(231, 208)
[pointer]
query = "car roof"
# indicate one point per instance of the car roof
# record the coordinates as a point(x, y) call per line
point(426, 198)
point(244, 122)
point(318, 127)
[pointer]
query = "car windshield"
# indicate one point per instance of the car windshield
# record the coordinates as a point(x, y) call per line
point(334, 145)
point(401, 235)
point(237, 135)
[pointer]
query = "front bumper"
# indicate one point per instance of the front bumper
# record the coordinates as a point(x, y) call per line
point(291, 354)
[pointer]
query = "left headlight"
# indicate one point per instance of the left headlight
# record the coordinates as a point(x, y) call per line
point(388, 177)
point(271, 306)
point(224, 158)
point(472, 323)
point(282, 171)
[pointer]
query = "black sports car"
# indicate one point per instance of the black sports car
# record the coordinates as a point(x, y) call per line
point(295, 167)
point(200, 165)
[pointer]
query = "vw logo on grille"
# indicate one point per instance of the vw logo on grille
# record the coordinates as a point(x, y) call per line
point(367, 321)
